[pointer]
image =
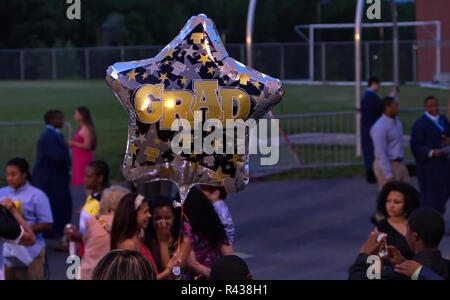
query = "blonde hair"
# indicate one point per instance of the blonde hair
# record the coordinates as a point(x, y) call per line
point(111, 198)
point(124, 265)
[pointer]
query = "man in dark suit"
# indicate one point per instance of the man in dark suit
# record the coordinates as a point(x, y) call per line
point(371, 111)
point(425, 231)
point(51, 171)
point(429, 134)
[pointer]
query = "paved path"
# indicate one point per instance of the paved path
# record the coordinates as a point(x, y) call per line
point(294, 229)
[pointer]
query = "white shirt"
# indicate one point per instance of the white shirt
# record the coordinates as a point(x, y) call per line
point(35, 208)
point(436, 118)
point(226, 219)
point(2, 241)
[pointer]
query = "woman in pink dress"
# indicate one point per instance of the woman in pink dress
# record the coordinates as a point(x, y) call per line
point(83, 145)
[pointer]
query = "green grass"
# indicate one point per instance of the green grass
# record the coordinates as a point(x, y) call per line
point(29, 100)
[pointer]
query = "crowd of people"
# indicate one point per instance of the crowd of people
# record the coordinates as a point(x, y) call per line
point(409, 224)
point(120, 234)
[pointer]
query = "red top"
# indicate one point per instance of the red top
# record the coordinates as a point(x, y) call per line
point(146, 252)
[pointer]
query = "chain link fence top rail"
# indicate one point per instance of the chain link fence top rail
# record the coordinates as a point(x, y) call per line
point(333, 61)
point(20, 139)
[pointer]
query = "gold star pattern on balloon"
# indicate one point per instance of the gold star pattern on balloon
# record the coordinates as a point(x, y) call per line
point(219, 176)
point(132, 75)
point(204, 59)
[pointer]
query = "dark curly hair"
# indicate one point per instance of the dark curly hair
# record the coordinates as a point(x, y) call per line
point(203, 218)
point(412, 197)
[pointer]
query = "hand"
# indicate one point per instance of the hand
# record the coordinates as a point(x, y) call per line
point(446, 141)
point(407, 268)
point(394, 256)
point(192, 262)
point(163, 233)
point(436, 153)
point(72, 233)
point(372, 244)
point(174, 261)
point(8, 204)
point(70, 143)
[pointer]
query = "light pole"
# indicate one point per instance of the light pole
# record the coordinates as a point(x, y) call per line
point(249, 39)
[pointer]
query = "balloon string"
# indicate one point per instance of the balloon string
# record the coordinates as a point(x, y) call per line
point(181, 230)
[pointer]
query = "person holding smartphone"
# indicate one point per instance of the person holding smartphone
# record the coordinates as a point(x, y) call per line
point(13, 229)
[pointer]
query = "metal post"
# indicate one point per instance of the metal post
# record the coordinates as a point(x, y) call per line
point(358, 20)
point(367, 57)
point(438, 52)
point(86, 63)
point(323, 63)
point(311, 53)
point(281, 62)
point(414, 62)
point(249, 39)
point(54, 64)
point(395, 38)
point(22, 65)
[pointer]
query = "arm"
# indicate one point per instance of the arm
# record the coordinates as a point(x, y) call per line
point(41, 227)
point(163, 236)
point(380, 145)
point(358, 271)
point(418, 144)
point(226, 250)
point(28, 238)
point(185, 250)
point(197, 267)
point(43, 214)
point(416, 271)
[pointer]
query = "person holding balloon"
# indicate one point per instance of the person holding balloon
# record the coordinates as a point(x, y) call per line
point(207, 234)
point(165, 236)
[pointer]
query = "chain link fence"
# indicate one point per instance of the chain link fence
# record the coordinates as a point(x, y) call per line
point(307, 141)
point(20, 139)
point(333, 61)
point(325, 140)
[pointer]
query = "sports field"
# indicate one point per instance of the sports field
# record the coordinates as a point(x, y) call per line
point(29, 100)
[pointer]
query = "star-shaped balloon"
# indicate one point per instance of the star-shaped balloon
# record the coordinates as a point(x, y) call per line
point(192, 76)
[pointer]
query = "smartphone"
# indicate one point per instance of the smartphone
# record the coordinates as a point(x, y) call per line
point(383, 252)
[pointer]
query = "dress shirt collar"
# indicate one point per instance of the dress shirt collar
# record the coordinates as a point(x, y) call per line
point(13, 191)
point(370, 90)
point(435, 118)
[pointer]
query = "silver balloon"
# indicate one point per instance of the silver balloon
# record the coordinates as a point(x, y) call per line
point(192, 74)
